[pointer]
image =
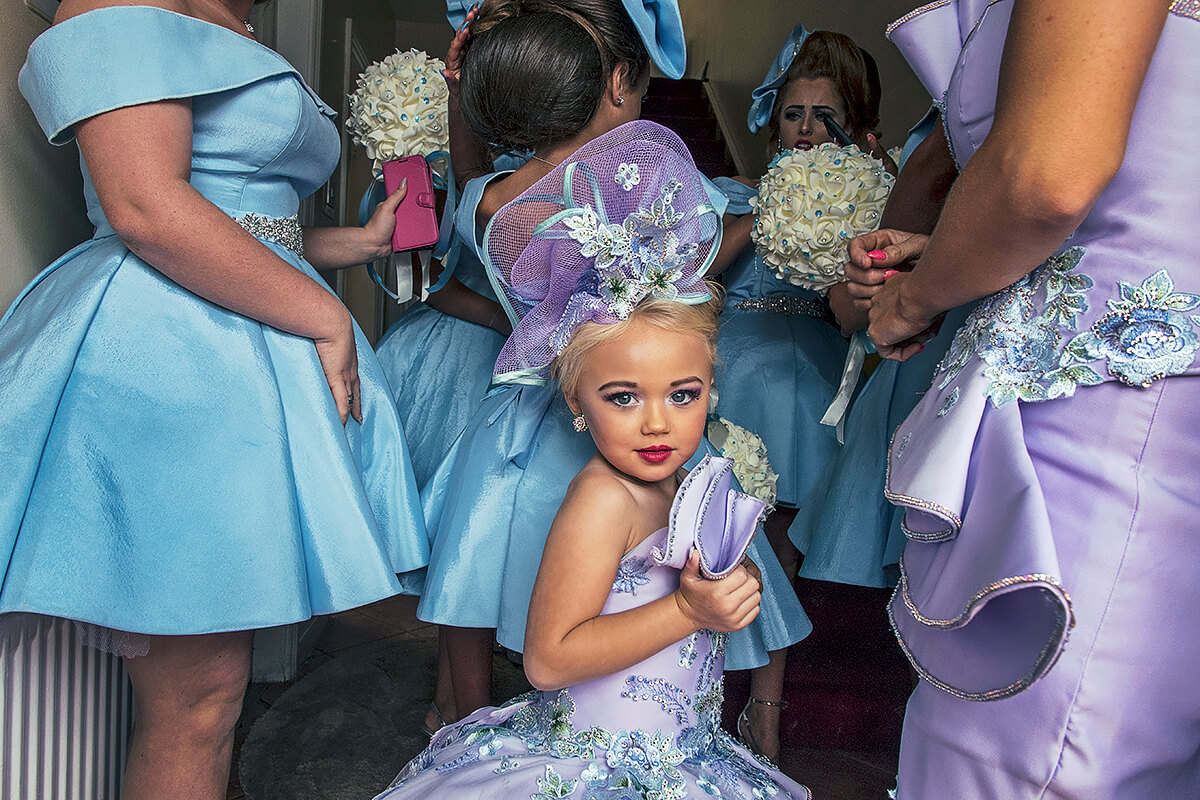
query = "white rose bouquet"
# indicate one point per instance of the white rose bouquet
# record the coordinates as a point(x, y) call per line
point(749, 454)
point(810, 204)
point(399, 108)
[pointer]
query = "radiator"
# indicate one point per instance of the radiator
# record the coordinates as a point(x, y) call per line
point(66, 711)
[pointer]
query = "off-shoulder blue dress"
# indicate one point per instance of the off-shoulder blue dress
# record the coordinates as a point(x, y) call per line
point(781, 360)
point(490, 504)
point(440, 366)
point(171, 467)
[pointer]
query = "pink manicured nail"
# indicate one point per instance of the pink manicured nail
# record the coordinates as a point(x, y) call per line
point(878, 255)
point(887, 273)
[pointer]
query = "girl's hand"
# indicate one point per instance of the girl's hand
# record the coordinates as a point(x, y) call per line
point(898, 330)
point(876, 256)
point(729, 604)
point(339, 360)
point(382, 224)
point(454, 54)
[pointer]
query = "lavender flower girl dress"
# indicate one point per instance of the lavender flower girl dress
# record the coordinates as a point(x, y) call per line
point(650, 731)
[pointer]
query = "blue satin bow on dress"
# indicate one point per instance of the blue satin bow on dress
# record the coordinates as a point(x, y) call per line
point(657, 21)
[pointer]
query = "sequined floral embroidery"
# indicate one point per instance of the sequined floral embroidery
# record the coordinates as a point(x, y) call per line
point(639, 257)
point(631, 573)
point(554, 785)
point(627, 176)
point(669, 697)
point(1144, 337)
point(1017, 333)
point(903, 445)
point(638, 764)
point(949, 403)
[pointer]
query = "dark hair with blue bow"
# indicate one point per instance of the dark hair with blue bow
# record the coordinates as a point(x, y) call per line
point(534, 71)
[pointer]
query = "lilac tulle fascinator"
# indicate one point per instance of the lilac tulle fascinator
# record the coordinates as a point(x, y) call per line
point(710, 515)
point(762, 99)
point(623, 218)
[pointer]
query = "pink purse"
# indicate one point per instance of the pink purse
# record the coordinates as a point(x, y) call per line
point(416, 218)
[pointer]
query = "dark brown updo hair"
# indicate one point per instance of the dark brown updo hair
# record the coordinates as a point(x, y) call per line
point(534, 71)
point(853, 72)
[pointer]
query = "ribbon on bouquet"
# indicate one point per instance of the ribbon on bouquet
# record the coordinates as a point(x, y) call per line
point(446, 250)
point(835, 415)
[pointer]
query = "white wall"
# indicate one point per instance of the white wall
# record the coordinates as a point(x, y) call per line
point(41, 206)
point(739, 40)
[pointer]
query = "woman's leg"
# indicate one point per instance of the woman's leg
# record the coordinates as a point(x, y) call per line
point(444, 708)
point(187, 694)
point(470, 655)
point(766, 682)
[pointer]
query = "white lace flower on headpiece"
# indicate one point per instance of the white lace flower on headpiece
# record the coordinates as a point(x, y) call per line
point(627, 176)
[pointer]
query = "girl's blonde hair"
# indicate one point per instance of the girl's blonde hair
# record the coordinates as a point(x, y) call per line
point(669, 315)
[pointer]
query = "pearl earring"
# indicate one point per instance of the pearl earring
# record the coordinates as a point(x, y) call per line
point(579, 423)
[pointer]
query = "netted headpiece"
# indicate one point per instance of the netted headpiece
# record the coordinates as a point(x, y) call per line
point(623, 218)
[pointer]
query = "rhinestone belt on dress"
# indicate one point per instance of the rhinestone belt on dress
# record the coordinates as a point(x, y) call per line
point(789, 305)
point(283, 231)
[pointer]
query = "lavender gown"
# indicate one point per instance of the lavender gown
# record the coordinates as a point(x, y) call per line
point(649, 731)
point(1049, 477)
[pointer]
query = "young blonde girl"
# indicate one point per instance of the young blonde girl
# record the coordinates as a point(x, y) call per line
point(625, 648)
point(490, 503)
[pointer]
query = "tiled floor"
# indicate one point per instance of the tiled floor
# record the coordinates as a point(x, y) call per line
point(841, 741)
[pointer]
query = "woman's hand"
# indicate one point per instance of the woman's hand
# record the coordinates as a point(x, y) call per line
point(850, 312)
point(339, 360)
point(876, 256)
point(382, 224)
point(897, 328)
point(729, 604)
point(454, 54)
point(879, 151)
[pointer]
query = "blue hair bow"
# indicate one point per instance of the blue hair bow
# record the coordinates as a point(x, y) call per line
point(762, 99)
point(657, 21)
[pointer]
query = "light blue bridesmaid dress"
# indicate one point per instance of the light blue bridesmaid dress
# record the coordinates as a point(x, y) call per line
point(171, 467)
point(440, 366)
point(781, 361)
point(490, 504)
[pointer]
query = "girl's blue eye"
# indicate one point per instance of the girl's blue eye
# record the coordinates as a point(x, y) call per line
point(684, 396)
point(621, 398)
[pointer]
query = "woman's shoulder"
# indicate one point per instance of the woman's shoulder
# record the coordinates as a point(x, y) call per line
point(68, 9)
point(99, 56)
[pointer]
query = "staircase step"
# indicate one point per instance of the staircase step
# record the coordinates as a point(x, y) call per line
point(701, 127)
point(675, 104)
point(665, 86)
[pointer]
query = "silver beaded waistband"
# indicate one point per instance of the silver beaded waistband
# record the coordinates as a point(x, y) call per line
point(789, 305)
point(283, 231)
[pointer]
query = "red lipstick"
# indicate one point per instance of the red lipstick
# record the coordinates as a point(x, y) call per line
point(656, 454)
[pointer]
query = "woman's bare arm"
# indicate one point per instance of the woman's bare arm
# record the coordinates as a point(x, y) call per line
point(1069, 82)
point(139, 159)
